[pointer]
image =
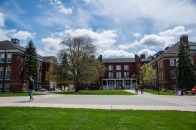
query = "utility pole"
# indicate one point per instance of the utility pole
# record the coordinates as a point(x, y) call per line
point(4, 74)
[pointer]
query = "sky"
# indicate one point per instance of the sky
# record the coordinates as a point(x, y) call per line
point(118, 28)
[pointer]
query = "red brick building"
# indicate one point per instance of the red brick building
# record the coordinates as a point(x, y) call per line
point(166, 61)
point(121, 73)
point(12, 64)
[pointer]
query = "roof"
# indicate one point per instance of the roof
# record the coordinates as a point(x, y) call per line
point(174, 49)
point(48, 58)
point(118, 60)
point(8, 45)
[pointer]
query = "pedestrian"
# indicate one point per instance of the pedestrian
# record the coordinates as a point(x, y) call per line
point(30, 87)
point(142, 89)
point(136, 89)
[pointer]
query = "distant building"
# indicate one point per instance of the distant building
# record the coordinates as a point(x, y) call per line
point(166, 61)
point(12, 68)
point(121, 73)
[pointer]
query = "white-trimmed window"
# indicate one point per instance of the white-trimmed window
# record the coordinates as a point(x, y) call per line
point(126, 67)
point(118, 67)
point(1, 73)
point(111, 75)
point(160, 75)
point(126, 74)
point(8, 73)
point(177, 61)
point(172, 74)
point(110, 67)
point(160, 64)
point(171, 61)
point(9, 58)
point(2, 58)
point(118, 75)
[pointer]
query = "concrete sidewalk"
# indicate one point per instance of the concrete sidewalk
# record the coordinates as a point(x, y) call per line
point(116, 102)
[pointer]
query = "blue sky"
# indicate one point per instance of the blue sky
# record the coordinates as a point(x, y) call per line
point(118, 28)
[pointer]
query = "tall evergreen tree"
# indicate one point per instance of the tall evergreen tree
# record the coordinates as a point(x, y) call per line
point(185, 68)
point(30, 62)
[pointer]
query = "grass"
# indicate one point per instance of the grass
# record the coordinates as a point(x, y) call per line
point(96, 92)
point(167, 92)
point(16, 94)
point(23, 118)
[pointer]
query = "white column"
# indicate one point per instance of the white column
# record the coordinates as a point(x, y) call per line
point(114, 83)
point(123, 83)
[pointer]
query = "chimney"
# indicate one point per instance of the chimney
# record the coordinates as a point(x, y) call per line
point(100, 58)
point(184, 39)
point(15, 41)
point(142, 56)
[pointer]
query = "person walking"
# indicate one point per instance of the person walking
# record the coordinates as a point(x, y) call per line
point(30, 87)
point(136, 89)
point(142, 89)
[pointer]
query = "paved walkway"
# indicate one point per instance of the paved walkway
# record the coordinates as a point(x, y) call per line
point(144, 101)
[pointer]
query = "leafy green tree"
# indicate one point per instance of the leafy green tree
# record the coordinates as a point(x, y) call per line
point(185, 68)
point(30, 62)
point(148, 74)
point(81, 64)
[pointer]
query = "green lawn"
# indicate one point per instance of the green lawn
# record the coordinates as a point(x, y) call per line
point(16, 94)
point(23, 118)
point(96, 92)
point(167, 92)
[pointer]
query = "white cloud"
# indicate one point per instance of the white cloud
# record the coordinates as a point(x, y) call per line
point(87, 1)
point(147, 52)
point(2, 19)
point(128, 46)
point(23, 35)
point(117, 53)
point(136, 35)
point(177, 31)
point(101, 39)
point(61, 8)
point(160, 11)
point(51, 44)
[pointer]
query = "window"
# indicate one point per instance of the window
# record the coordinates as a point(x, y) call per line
point(110, 82)
point(172, 74)
point(177, 61)
point(171, 60)
point(126, 67)
point(160, 75)
point(110, 67)
point(127, 82)
point(8, 73)
point(160, 64)
point(1, 73)
point(111, 75)
point(7, 87)
point(118, 75)
point(2, 56)
point(126, 74)
point(9, 58)
point(118, 67)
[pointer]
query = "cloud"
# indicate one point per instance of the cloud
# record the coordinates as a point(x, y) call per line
point(61, 8)
point(160, 11)
point(23, 35)
point(147, 52)
point(100, 38)
point(2, 19)
point(136, 35)
point(158, 41)
point(51, 44)
point(117, 53)
point(128, 46)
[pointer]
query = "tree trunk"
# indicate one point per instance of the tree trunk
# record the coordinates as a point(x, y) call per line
point(77, 87)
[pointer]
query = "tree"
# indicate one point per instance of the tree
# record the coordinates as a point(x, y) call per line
point(148, 74)
point(185, 68)
point(81, 64)
point(30, 61)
